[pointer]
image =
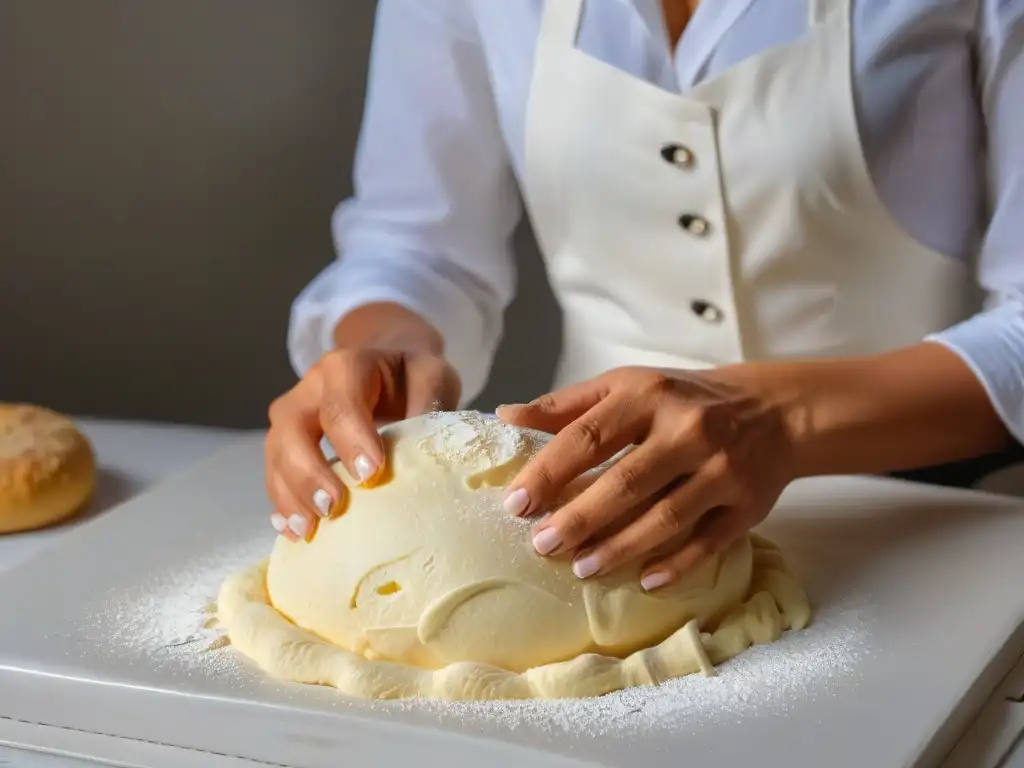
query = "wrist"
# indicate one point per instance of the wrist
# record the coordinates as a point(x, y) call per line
point(913, 407)
point(387, 325)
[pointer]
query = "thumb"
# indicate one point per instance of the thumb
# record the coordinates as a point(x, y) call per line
point(553, 412)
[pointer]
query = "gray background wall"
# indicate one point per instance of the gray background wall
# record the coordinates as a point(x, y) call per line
point(167, 174)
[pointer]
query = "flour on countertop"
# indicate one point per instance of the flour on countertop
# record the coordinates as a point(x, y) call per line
point(165, 622)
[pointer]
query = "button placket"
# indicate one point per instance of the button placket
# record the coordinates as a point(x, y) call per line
point(684, 158)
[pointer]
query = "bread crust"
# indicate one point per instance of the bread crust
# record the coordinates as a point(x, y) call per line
point(47, 468)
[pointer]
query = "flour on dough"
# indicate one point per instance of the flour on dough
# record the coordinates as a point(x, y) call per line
point(422, 587)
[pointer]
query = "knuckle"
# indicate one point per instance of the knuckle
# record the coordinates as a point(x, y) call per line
point(621, 374)
point(543, 480)
point(670, 518)
point(573, 525)
point(545, 403)
point(278, 406)
point(654, 383)
point(587, 436)
point(626, 482)
point(684, 431)
point(723, 466)
point(615, 553)
point(718, 425)
point(332, 412)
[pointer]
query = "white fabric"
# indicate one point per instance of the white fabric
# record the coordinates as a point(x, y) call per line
point(794, 254)
point(443, 144)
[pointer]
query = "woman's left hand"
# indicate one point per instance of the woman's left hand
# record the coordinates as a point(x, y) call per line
point(709, 461)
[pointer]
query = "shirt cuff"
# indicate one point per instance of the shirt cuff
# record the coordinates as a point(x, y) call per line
point(992, 346)
point(470, 340)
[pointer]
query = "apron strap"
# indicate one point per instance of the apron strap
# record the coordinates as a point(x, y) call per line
point(560, 23)
point(823, 12)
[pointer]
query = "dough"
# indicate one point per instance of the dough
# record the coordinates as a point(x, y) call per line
point(47, 468)
point(423, 587)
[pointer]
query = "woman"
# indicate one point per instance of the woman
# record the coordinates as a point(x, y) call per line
point(765, 222)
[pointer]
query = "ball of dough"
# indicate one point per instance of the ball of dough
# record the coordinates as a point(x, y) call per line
point(423, 587)
point(47, 468)
point(426, 568)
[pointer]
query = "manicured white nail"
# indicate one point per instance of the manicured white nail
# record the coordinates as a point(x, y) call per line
point(322, 502)
point(298, 525)
point(655, 580)
point(516, 502)
point(586, 566)
point(547, 541)
point(364, 467)
point(279, 522)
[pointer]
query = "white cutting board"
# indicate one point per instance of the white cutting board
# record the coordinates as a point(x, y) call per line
point(920, 593)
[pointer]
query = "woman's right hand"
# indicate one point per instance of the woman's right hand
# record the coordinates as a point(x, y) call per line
point(343, 397)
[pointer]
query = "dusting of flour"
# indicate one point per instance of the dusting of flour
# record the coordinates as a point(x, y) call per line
point(165, 622)
point(472, 440)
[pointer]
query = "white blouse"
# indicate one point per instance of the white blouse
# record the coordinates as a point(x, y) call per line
point(939, 88)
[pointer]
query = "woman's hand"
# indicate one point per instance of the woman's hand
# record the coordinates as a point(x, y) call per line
point(710, 459)
point(344, 397)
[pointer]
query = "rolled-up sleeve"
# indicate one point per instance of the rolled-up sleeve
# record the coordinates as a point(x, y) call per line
point(429, 226)
point(992, 342)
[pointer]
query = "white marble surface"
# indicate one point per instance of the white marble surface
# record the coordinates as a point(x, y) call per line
point(132, 456)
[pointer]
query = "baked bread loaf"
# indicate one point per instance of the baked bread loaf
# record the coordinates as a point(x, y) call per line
point(47, 468)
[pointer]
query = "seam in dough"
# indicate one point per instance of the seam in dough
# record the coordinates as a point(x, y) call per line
point(263, 635)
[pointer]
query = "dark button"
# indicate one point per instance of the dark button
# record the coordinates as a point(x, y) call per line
point(693, 224)
point(677, 154)
point(706, 311)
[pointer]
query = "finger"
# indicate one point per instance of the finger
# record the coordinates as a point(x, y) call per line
point(313, 484)
point(287, 519)
point(552, 412)
point(431, 385)
point(671, 517)
point(276, 488)
point(636, 477)
point(352, 386)
point(294, 455)
point(592, 438)
point(715, 533)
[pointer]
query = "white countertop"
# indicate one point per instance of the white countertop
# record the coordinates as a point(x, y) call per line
point(132, 456)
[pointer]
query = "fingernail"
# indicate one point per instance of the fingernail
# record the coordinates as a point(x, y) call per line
point(654, 581)
point(365, 468)
point(586, 566)
point(322, 502)
point(279, 522)
point(298, 525)
point(516, 502)
point(547, 541)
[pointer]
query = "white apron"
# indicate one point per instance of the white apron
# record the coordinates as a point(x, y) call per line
point(734, 222)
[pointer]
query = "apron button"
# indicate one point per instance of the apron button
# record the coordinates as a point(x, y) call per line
point(707, 311)
point(695, 225)
point(677, 154)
